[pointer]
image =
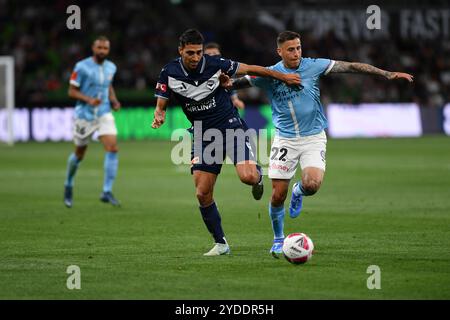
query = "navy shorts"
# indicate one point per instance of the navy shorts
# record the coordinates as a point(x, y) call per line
point(210, 150)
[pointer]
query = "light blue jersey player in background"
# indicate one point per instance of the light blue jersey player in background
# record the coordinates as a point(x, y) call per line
point(91, 86)
point(300, 121)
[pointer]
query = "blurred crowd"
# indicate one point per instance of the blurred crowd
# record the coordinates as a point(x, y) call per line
point(144, 37)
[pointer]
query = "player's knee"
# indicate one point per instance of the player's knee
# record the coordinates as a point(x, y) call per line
point(204, 198)
point(112, 148)
point(80, 156)
point(80, 152)
point(278, 198)
point(249, 177)
point(311, 186)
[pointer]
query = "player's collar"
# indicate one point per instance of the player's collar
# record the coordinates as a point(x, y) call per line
point(182, 67)
point(95, 61)
point(203, 64)
point(292, 69)
point(202, 68)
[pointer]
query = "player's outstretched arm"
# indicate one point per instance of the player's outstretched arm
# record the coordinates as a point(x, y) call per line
point(357, 67)
point(160, 113)
point(234, 84)
point(252, 70)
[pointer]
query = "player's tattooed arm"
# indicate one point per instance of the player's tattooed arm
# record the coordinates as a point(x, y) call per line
point(160, 113)
point(357, 67)
point(253, 70)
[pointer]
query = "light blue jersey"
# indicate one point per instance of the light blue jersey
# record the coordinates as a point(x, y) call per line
point(94, 80)
point(297, 111)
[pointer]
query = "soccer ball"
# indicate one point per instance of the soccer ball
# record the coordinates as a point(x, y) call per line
point(297, 248)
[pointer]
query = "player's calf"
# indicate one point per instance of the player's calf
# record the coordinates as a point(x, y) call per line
point(278, 198)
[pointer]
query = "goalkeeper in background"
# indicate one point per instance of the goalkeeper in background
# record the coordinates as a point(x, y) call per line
point(91, 86)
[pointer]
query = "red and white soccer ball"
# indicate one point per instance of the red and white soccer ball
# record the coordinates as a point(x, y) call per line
point(297, 248)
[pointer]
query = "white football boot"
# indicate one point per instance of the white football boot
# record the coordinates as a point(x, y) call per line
point(219, 249)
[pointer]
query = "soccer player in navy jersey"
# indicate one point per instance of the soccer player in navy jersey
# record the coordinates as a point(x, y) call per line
point(193, 79)
point(300, 121)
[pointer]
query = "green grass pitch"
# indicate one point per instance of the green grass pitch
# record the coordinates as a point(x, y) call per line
point(384, 202)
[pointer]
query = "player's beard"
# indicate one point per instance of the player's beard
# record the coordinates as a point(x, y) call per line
point(100, 57)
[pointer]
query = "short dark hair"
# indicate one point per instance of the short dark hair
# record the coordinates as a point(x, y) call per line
point(101, 38)
point(212, 45)
point(191, 36)
point(286, 36)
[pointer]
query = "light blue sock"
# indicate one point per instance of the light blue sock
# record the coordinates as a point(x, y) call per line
point(277, 216)
point(110, 167)
point(72, 166)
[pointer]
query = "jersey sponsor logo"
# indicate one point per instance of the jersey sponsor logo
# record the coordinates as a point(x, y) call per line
point(193, 92)
point(161, 86)
point(202, 106)
point(281, 167)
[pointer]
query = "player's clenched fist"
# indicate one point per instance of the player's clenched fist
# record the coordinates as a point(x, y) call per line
point(400, 75)
point(292, 79)
point(159, 118)
point(94, 102)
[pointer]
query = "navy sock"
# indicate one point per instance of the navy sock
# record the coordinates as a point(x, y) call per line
point(213, 222)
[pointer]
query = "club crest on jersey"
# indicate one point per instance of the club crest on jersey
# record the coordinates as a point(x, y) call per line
point(210, 84)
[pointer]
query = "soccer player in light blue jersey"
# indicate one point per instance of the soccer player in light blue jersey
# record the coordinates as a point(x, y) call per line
point(91, 86)
point(300, 121)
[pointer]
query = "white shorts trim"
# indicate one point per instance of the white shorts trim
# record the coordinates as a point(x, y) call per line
point(83, 129)
point(287, 153)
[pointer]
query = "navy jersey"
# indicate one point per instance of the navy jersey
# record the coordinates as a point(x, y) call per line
point(199, 91)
